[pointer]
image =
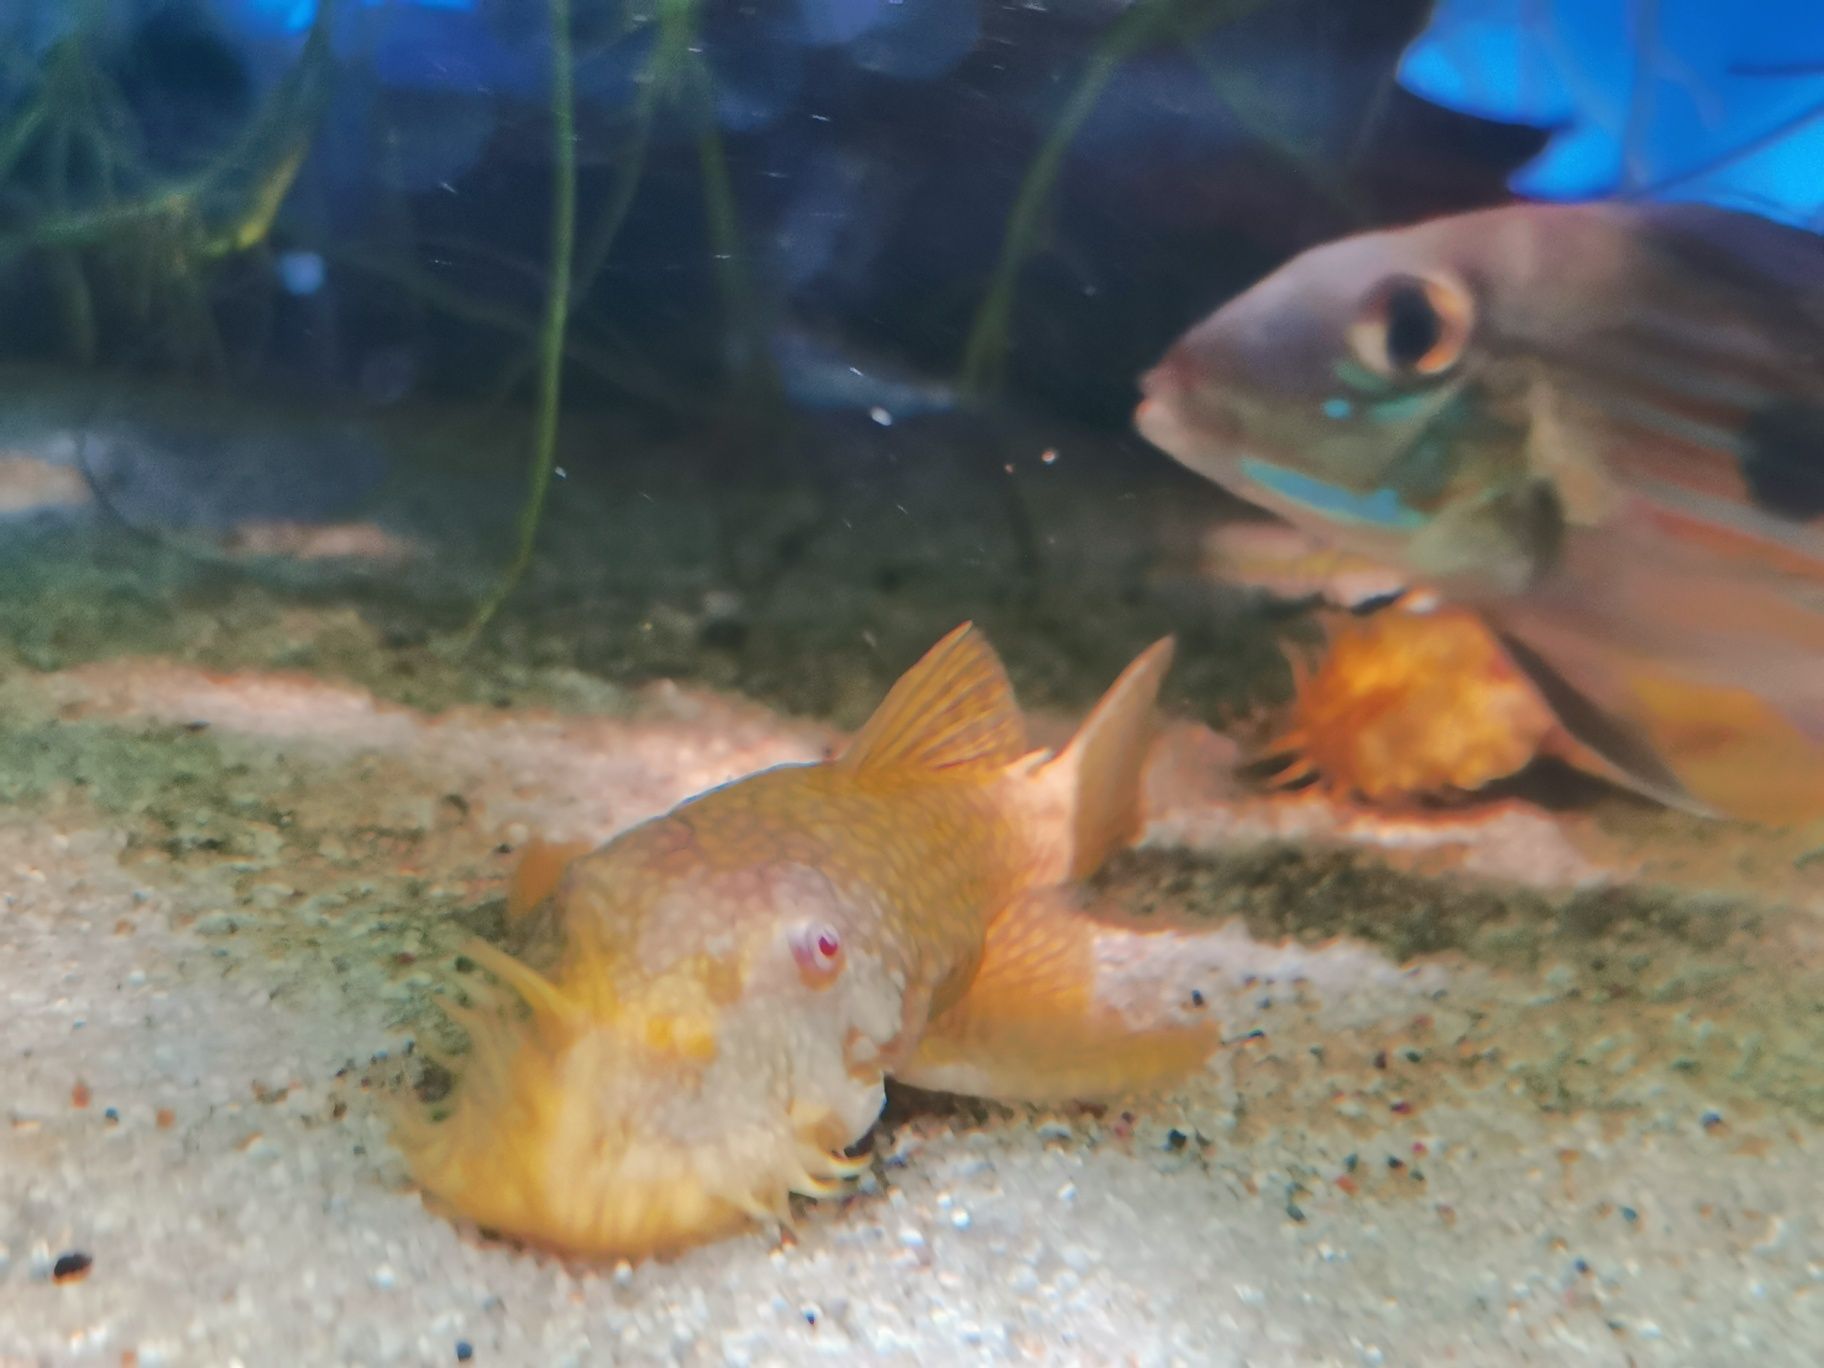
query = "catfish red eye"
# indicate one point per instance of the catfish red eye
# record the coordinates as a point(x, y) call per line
point(817, 950)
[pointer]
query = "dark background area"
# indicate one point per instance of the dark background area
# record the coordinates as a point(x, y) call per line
point(870, 206)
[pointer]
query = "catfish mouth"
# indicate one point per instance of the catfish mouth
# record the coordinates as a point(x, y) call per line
point(565, 1136)
point(573, 1187)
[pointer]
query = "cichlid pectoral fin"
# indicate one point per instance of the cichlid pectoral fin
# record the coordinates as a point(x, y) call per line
point(1498, 544)
point(1070, 1003)
point(1599, 740)
point(1705, 748)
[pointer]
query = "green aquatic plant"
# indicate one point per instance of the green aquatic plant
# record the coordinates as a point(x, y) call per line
point(1257, 109)
point(676, 75)
point(677, 78)
point(101, 220)
point(1149, 24)
point(617, 367)
point(88, 209)
point(557, 313)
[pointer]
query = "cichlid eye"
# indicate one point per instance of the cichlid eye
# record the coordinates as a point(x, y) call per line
point(817, 951)
point(1413, 327)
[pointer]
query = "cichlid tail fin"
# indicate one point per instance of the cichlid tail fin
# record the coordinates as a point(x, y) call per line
point(952, 713)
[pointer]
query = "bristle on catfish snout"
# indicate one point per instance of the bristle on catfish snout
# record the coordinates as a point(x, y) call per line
point(544, 1139)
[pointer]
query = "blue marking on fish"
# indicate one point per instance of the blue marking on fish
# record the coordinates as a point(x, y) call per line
point(1381, 508)
point(1402, 407)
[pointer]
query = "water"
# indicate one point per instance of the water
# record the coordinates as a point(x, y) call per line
point(339, 561)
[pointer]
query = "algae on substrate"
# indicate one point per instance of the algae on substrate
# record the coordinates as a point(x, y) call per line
point(1691, 982)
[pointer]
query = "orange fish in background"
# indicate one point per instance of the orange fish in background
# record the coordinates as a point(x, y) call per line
point(1403, 705)
point(732, 982)
point(1600, 426)
point(1405, 700)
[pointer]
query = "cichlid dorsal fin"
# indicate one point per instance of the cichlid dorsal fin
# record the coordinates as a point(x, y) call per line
point(1104, 761)
point(953, 712)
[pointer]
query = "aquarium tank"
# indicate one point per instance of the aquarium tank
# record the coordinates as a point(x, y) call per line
point(911, 681)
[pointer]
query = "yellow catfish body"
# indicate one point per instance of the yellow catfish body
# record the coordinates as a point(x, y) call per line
point(1600, 426)
point(733, 980)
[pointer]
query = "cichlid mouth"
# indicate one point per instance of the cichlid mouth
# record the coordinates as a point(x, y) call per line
point(554, 1136)
point(1218, 450)
point(1192, 425)
point(1174, 391)
point(1202, 443)
point(1190, 419)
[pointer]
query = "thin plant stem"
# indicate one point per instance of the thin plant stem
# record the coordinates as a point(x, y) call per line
point(985, 353)
point(556, 320)
point(593, 256)
point(625, 372)
point(724, 220)
point(1261, 125)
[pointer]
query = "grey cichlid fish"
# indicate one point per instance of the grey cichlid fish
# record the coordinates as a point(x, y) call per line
point(1600, 425)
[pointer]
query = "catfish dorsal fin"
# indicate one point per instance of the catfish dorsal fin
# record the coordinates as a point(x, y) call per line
point(1104, 761)
point(951, 712)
